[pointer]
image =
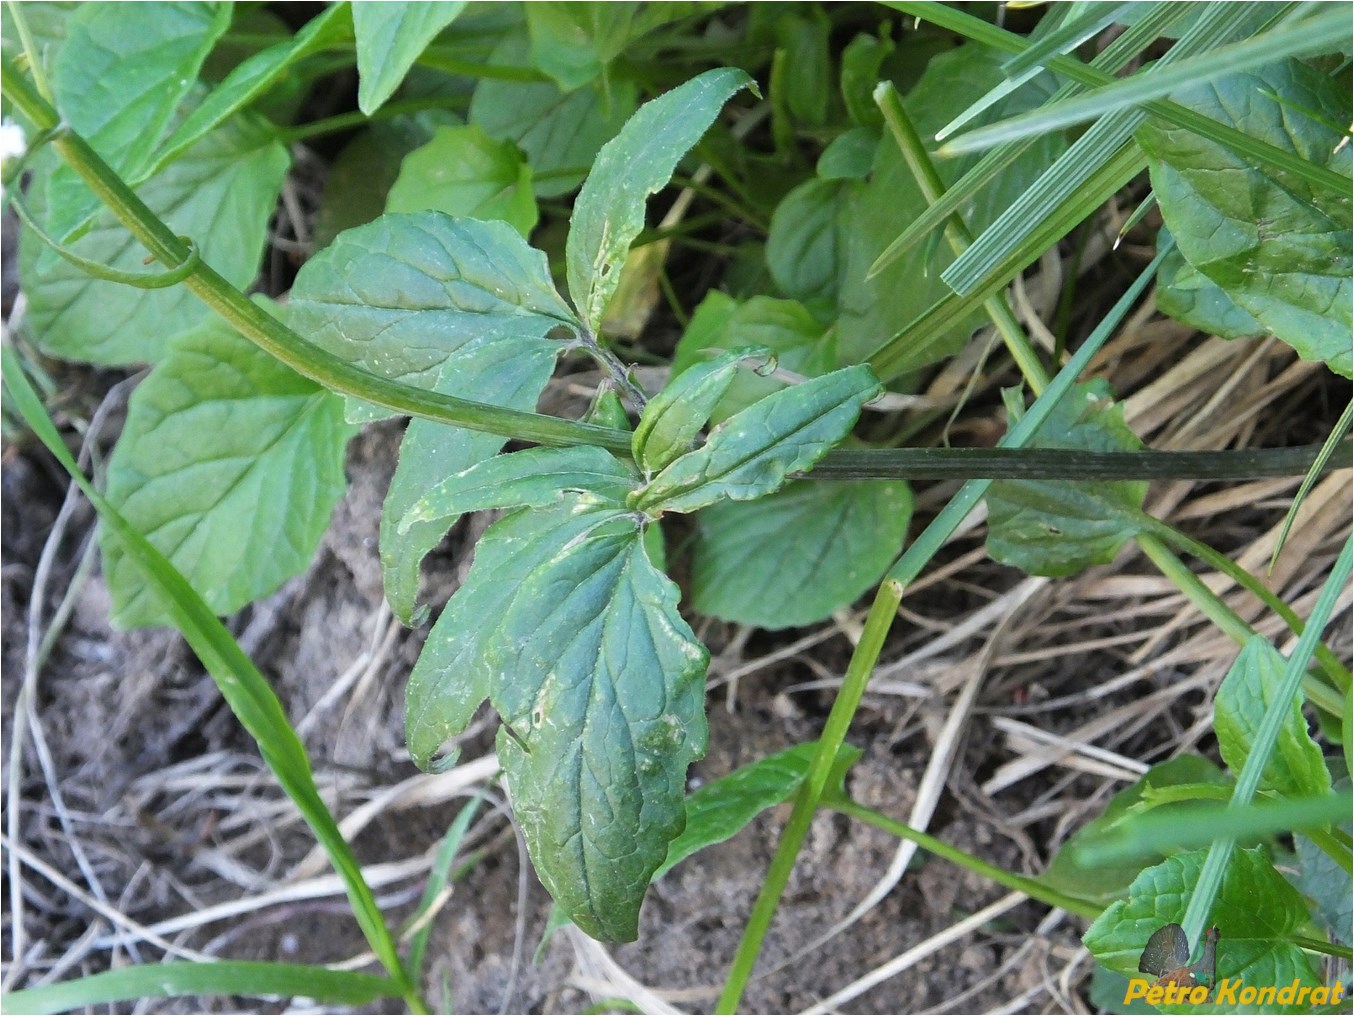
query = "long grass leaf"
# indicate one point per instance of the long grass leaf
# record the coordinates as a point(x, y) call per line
point(245, 690)
point(1078, 164)
point(1259, 152)
point(1066, 37)
point(903, 350)
point(165, 980)
point(1115, 57)
point(1319, 34)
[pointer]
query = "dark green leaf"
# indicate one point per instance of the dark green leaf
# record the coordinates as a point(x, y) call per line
point(873, 309)
point(251, 78)
point(861, 62)
point(802, 36)
point(806, 244)
point(719, 810)
point(403, 295)
point(794, 557)
point(531, 478)
point(119, 79)
point(1276, 245)
point(1256, 911)
point(1190, 774)
point(785, 327)
point(850, 155)
point(390, 37)
point(464, 172)
point(751, 454)
point(609, 210)
point(1057, 527)
point(221, 192)
point(505, 372)
point(576, 638)
point(1188, 295)
point(461, 307)
point(1296, 767)
point(230, 463)
point(561, 132)
point(573, 42)
point(674, 418)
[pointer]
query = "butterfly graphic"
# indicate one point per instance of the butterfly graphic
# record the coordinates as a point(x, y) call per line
point(1167, 958)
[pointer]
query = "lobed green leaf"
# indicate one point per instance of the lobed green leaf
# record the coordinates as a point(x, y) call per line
point(391, 35)
point(639, 161)
point(230, 463)
point(1296, 767)
point(575, 637)
point(1276, 245)
point(1059, 527)
point(753, 453)
point(673, 419)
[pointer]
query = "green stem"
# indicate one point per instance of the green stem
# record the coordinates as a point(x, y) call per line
point(1066, 464)
point(1330, 663)
point(866, 654)
point(867, 650)
point(1212, 607)
point(343, 121)
point(1032, 888)
point(309, 360)
point(957, 233)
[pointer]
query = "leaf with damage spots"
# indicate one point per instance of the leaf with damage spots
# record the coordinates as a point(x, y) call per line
point(573, 634)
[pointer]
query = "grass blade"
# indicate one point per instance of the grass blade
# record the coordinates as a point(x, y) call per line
point(1314, 35)
point(1107, 136)
point(1259, 152)
point(245, 690)
point(165, 980)
point(1115, 57)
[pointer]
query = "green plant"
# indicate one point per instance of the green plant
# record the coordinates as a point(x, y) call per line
point(231, 459)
